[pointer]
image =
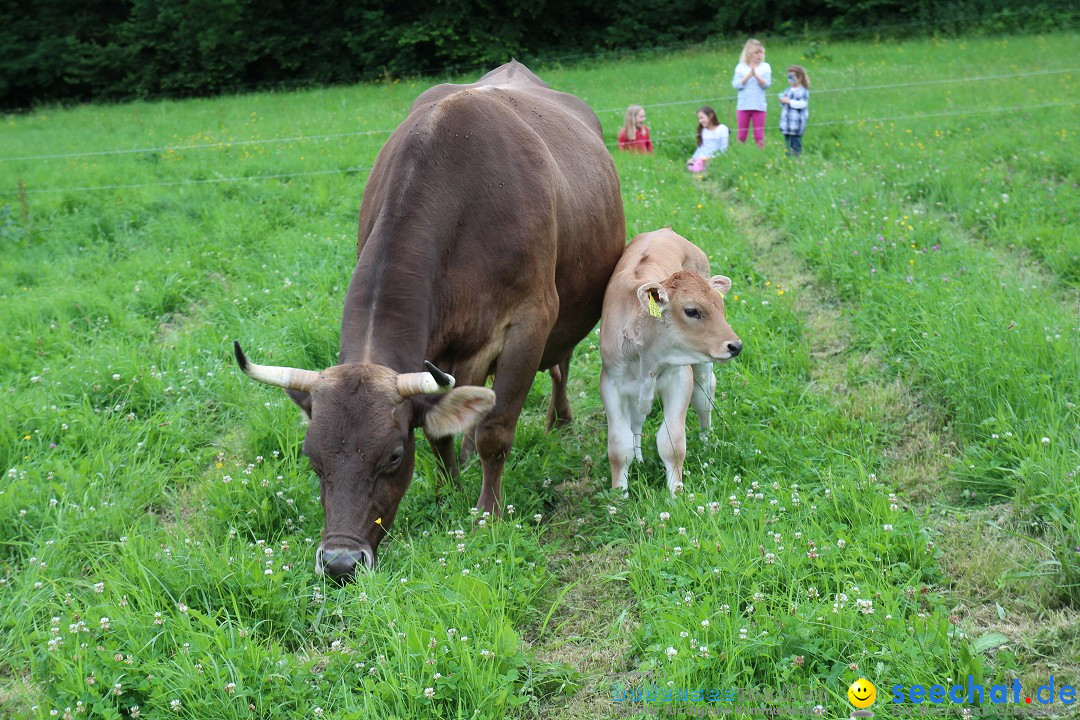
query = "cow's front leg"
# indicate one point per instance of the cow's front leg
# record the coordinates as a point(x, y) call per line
point(621, 439)
point(704, 394)
point(514, 374)
point(676, 386)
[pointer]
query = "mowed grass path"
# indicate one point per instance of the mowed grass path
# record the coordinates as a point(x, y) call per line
point(888, 492)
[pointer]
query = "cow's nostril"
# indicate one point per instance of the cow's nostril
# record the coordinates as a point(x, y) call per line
point(734, 348)
point(340, 565)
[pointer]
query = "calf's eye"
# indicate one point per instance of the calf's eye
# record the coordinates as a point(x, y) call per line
point(693, 313)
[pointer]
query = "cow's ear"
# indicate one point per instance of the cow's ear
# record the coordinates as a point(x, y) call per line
point(301, 398)
point(458, 410)
point(654, 298)
point(721, 283)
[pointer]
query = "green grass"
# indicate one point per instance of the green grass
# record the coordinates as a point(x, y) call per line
point(907, 293)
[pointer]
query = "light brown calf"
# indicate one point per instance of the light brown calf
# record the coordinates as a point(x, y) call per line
point(663, 327)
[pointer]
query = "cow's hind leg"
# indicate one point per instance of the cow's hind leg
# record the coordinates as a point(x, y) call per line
point(558, 413)
point(447, 460)
point(676, 386)
point(468, 446)
point(704, 394)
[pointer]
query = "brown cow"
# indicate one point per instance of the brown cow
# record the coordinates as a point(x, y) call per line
point(663, 328)
point(490, 224)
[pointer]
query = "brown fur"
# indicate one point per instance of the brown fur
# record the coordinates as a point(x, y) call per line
point(490, 224)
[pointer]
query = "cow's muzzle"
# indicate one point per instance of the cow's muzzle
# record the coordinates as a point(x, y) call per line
point(341, 564)
point(734, 347)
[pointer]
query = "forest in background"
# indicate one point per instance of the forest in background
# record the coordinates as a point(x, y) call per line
point(59, 51)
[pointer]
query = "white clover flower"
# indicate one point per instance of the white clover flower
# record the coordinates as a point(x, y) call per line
point(704, 623)
point(887, 527)
point(841, 543)
point(1046, 441)
point(671, 653)
point(429, 693)
point(677, 550)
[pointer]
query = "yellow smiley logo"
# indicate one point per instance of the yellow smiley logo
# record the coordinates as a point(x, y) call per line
point(862, 693)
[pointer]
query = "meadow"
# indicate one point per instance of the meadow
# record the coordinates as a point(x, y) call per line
point(889, 489)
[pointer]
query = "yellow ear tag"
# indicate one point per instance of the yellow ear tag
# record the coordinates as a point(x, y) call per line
point(654, 309)
point(722, 295)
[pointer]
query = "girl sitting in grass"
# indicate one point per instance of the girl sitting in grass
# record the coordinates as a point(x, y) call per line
point(634, 136)
point(712, 138)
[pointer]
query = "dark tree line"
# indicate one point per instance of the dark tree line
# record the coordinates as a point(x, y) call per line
point(67, 50)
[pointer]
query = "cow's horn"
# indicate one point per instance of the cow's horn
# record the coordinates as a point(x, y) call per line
point(447, 381)
point(286, 377)
point(409, 384)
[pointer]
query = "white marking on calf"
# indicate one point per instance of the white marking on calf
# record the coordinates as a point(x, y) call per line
point(663, 327)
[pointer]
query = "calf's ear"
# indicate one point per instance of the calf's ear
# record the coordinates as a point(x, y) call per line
point(720, 283)
point(654, 298)
point(458, 410)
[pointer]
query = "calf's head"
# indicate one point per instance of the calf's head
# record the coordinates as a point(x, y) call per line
point(690, 310)
point(360, 444)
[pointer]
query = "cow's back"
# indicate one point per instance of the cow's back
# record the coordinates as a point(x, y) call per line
point(513, 180)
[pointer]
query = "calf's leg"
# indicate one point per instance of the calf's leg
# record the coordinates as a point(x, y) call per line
point(676, 386)
point(621, 439)
point(704, 394)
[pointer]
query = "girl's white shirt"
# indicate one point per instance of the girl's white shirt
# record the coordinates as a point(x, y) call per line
point(752, 94)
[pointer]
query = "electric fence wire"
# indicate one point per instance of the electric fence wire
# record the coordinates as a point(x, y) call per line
point(225, 144)
point(358, 169)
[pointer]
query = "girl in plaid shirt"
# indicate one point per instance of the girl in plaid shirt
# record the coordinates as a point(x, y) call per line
point(793, 115)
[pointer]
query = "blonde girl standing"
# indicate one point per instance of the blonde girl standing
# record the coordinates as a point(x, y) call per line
point(752, 76)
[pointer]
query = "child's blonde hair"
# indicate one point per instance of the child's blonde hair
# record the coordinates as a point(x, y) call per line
point(800, 75)
point(630, 123)
point(750, 44)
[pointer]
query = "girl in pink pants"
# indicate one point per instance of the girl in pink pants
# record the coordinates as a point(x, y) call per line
point(752, 76)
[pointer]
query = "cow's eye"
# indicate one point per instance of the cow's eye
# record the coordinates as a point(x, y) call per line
point(393, 460)
point(693, 313)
